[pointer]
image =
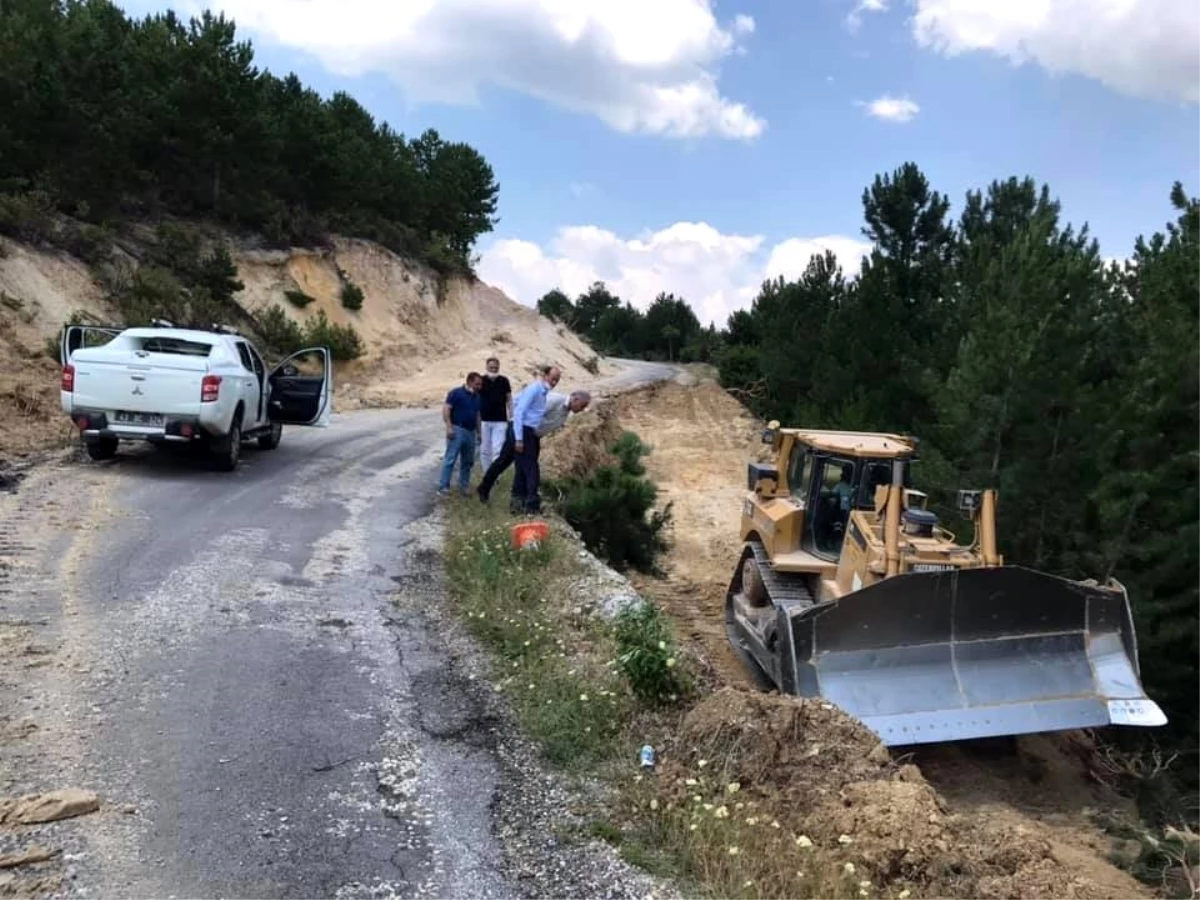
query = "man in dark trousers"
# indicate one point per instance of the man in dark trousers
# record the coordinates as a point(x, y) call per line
point(495, 410)
point(460, 413)
point(539, 412)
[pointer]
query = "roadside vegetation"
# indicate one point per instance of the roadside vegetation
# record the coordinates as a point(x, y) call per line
point(590, 690)
point(612, 508)
point(575, 680)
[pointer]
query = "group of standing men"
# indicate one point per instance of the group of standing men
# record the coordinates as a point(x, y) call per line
point(483, 411)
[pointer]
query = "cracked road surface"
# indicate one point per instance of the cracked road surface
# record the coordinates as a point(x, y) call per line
point(253, 672)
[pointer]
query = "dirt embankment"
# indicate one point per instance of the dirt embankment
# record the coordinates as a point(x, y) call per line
point(980, 820)
point(38, 292)
point(422, 334)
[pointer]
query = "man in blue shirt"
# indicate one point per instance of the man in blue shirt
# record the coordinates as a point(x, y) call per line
point(460, 412)
point(522, 444)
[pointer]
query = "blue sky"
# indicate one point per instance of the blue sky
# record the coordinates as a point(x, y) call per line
point(611, 123)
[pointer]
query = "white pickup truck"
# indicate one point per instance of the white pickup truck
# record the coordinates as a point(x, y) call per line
point(176, 385)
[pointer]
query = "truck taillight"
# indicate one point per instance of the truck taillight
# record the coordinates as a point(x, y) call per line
point(68, 378)
point(210, 388)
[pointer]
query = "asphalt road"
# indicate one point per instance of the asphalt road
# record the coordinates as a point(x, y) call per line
point(222, 658)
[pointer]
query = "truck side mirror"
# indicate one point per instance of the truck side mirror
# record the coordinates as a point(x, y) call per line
point(968, 502)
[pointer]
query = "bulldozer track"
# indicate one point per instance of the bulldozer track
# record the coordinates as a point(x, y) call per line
point(787, 589)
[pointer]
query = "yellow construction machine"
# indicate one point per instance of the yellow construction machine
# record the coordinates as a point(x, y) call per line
point(849, 589)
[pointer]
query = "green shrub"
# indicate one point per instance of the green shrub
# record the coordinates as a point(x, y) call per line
point(153, 293)
point(90, 243)
point(284, 336)
point(442, 258)
point(352, 296)
point(612, 509)
point(279, 332)
point(176, 247)
point(298, 299)
point(647, 655)
point(738, 367)
point(28, 217)
point(217, 274)
point(342, 340)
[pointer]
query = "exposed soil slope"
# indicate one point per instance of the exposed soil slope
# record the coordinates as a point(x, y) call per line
point(1005, 819)
point(421, 339)
point(422, 335)
point(38, 292)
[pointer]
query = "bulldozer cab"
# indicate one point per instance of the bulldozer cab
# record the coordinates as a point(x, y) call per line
point(828, 485)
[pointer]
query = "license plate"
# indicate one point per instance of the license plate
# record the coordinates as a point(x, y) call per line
point(153, 420)
point(931, 567)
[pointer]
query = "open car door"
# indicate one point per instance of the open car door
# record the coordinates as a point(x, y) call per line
point(76, 336)
point(302, 389)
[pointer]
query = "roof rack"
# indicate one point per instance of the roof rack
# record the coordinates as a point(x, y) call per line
point(225, 329)
point(161, 323)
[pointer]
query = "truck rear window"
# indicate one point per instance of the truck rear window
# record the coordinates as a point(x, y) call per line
point(176, 346)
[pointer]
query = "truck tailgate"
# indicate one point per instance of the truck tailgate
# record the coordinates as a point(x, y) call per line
point(163, 387)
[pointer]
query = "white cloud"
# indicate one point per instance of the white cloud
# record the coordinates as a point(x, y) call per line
point(648, 67)
point(1143, 48)
point(715, 272)
point(893, 109)
point(854, 18)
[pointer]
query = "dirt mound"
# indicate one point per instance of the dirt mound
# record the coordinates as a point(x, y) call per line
point(782, 744)
point(701, 440)
point(824, 776)
point(583, 444)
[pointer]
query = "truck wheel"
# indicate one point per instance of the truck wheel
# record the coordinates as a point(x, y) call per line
point(270, 440)
point(105, 448)
point(228, 450)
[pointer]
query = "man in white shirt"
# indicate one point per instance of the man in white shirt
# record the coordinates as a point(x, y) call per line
point(559, 407)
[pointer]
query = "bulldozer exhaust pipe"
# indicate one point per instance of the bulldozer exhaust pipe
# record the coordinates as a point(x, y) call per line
point(891, 522)
point(987, 528)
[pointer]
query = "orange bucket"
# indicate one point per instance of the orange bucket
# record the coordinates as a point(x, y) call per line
point(529, 534)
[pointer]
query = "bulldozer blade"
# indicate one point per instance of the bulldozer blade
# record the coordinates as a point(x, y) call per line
point(973, 653)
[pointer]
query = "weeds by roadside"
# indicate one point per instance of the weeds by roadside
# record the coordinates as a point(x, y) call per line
point(731, 847)
point(591, 692)
point(553, 666)
point(646, 655)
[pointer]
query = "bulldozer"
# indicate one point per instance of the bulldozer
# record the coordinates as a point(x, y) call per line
point(850, 590)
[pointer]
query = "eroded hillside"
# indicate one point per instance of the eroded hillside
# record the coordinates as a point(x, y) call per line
point(421, 333)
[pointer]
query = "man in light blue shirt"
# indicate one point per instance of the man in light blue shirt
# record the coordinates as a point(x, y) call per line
point(522, 444)
point(531, 405)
